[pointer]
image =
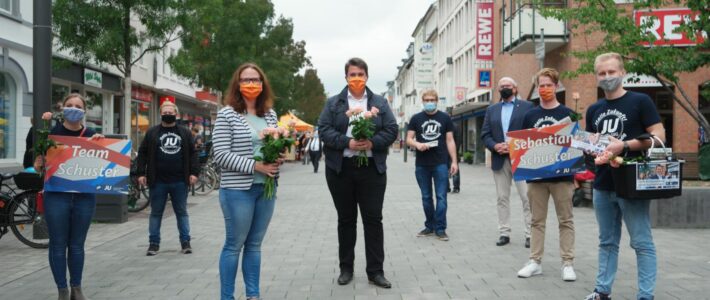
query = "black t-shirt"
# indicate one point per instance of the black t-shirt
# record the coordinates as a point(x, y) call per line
point(169, 152)
point(59, 129)
point(539, 117)
point(432, 128)
point(624, 118)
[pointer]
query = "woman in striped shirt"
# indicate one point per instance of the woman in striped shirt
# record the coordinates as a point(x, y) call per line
point(247, 212)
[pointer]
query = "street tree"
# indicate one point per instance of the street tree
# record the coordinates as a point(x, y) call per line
point(636, 44)
point(309, 96)
point(223, 34)
point(101, 31)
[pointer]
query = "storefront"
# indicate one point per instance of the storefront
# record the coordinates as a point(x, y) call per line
point(193, 112)
point(142, 112)
point(8, 116)
point(99, 89)
point(468, 118)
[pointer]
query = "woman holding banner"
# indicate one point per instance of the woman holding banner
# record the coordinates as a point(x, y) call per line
point(69, 215)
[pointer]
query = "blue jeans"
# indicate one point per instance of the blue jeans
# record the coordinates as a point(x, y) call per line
point(435, 216)
point(68, 217)
point(158, 198)
point(246, 217)
point(610, 210)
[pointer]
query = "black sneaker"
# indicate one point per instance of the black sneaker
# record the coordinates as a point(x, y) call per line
point(425, 232)
point(456, 191)
point(186, 249)
point(153, 250)
point(442, 236)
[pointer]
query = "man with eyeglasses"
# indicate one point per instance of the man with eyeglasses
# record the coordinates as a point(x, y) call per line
point(431, 133)
point(352, 185)
point(506, 115)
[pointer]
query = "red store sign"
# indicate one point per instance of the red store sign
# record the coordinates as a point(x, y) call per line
point(665, 22)
point(484, 31)
point(142, 94)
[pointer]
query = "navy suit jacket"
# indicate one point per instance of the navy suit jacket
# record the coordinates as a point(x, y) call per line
point(492, 131)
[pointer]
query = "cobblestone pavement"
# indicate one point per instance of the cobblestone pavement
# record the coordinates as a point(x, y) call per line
point(299, 259)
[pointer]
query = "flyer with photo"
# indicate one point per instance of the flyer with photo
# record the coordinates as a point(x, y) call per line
point(590, 142)
point(658, 175)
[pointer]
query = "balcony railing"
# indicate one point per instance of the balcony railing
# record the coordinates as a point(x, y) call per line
point(521, 30)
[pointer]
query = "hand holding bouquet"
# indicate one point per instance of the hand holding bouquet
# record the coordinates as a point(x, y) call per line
point(275, 141)
point(607, 157)
point(363, 129)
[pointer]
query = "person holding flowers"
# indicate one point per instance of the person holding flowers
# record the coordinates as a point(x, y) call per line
point(624, 116)
point(245, 135)
point(357, 128)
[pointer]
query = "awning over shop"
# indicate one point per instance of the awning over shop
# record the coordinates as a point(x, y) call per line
point(468, 115)
point(298, 124)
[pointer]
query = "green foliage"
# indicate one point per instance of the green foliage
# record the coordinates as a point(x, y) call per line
point(363, 129)
point(468, 157)
point(309, 96)
point(223, 34)
point(100, 30)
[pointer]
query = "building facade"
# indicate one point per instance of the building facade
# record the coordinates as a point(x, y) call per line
point(15, 80)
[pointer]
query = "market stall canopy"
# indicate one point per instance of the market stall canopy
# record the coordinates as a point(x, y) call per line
point(299, 125)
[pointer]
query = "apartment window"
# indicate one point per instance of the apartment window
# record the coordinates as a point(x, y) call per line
point(6, 6)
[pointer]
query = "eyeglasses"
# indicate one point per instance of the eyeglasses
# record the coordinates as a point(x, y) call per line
point(361, 74)
point(250, 81)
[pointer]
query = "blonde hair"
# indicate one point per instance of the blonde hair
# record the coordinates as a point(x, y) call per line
point(607, 56)
point(168, 103)
point(430, 92)
point(548, 72)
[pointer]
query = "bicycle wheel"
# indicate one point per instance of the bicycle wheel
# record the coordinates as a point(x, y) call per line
point(26, 223)
point(138, 198)
point(206, 182)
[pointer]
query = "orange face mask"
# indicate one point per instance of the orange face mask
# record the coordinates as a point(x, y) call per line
point(356, 84)
point(250, 91)
point(547, 93)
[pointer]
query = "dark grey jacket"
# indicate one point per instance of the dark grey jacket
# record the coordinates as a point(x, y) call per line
point(333, 125)
point(492, 131)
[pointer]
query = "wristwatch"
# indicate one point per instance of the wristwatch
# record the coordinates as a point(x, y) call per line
point(626, 147)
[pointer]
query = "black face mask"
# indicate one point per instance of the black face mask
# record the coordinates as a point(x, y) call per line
point(506, 93)
point(168, 119)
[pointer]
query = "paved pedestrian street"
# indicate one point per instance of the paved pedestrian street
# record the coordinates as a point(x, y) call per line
point(299, 258)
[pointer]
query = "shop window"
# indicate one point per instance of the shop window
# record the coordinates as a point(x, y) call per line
point(704, 102)
point(95, 111)
point(58, 93)
point(140, 122)
point(6, 6)
point(8, 96)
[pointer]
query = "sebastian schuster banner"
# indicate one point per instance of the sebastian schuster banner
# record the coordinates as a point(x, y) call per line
point(545, 152)
point(82, 165)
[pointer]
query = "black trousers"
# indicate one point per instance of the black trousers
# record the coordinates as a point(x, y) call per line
point(364, 187)
point(315, 159)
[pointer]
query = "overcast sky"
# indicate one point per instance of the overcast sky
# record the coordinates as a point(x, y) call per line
point(377, 31)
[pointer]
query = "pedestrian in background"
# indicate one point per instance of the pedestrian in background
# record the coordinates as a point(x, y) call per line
point(431, 133)
point(351, 185)
point(167, 162)
point(247, 212)
point(624, 116)
point(506, 115)
point(69, 215)
point(561, 188)
point(314, 148)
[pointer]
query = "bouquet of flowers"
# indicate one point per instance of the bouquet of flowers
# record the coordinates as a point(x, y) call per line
point(615, 161)
point(44, 143)
point(275, 141)
point(363, 128)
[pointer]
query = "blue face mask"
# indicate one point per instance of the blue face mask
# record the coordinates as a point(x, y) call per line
point(429, 106)
point(73, 114)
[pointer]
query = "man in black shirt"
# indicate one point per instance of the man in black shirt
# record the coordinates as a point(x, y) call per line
point(431, 133)
point(167, 161)
point(624, 116)
point(548, 113)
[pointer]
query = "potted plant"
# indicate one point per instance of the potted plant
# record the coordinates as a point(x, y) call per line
point(468, 157)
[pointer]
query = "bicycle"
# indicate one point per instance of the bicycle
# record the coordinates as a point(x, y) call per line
point(138, 196)
point(208, 179)
point(19, 211)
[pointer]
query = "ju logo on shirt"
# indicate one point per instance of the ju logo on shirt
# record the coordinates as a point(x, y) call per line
point(170, 143)
point(431, 130)
point(611, 122)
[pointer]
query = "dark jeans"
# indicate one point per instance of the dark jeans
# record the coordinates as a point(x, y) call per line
point(158, 198)
point(68, 217)
point(315, 159)
point(364, 187)
point(435, 214)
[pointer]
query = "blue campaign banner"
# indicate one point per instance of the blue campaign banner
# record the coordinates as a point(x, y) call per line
point(546, 152)
point(83, 165)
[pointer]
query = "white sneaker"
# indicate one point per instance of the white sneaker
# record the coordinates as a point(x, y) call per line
point(531, 268)
point(568, 273)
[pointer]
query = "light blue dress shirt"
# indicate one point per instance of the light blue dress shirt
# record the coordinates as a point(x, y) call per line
point(505, 113)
